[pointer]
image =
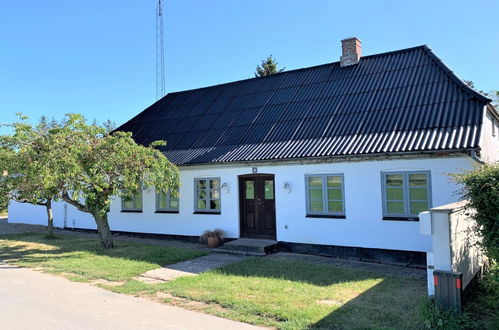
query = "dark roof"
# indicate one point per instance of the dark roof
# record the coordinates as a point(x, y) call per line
point(402, 101)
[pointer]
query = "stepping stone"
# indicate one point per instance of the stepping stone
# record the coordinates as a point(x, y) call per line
point(189, 268)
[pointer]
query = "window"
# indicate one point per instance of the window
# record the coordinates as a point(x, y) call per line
point(405, 194)
point(207, 195)
point(165, 202)
point(325, 195)
point(134, 204)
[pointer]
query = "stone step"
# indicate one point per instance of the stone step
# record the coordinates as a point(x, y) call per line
point(238, 252)
point(250, 245)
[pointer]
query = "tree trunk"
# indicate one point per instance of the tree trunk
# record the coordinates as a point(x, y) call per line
point(105, 235)
point(50, 219)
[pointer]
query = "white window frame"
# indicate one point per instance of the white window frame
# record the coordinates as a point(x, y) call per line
point(124, 208)
point(405, 185)
point(207, 190)
point(325, 199)
point(168, 209)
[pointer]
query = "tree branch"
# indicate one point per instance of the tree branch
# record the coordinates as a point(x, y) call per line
point(79, 206)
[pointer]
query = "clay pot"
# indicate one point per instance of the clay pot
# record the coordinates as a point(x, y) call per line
point(213, 242)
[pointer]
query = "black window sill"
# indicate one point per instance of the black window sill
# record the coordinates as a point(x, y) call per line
point(202, 212)
point(330, 216)
point(131, 211)
point(165, 211)
point(400, 219)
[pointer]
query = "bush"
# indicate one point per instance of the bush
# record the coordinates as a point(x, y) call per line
point(481, 189)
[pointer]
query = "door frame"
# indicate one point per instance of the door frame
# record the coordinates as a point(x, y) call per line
point(240, 179)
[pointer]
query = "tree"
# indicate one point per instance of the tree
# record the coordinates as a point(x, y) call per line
point(29, 170)
point(268, 67)
point(481, 189)
point(99, 166)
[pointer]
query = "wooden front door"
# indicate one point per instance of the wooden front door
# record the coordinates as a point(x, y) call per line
point(257, 205)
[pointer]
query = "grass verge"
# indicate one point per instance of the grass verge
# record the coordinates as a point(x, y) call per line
point(82, 259)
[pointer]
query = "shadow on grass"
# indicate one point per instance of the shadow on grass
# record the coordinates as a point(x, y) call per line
point(23, 248)
point(388, 301)
point(320, 275)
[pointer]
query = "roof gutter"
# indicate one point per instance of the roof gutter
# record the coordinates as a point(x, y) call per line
point(339, 158)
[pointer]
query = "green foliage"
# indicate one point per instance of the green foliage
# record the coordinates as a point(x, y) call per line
point(481, 189)
point(100, 165)
point(28, 159)
point(268, 67)
point(432, 317)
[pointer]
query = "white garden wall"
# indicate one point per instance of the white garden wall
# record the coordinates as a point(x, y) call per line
point(363, 226)
point(454, 243)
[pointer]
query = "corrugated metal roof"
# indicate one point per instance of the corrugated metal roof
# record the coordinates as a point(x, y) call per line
point(402, 101)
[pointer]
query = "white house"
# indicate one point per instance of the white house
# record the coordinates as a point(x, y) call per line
point(334, 159)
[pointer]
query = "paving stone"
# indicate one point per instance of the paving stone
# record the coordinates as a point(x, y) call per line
point(190, 267)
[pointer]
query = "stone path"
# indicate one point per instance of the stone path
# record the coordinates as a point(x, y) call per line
point(189, 268)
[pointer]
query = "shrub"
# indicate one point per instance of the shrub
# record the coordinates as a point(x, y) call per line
point(481, 189)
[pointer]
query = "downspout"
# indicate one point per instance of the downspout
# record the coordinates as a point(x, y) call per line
point(475, 157)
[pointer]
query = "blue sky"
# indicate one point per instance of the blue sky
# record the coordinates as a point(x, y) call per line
point(98, 57)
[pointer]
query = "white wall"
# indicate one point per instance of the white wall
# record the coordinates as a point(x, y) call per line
point(454, 242)
point(488, 142)
point(363, 226)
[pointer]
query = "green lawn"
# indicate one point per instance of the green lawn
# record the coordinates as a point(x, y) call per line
point(293, 295)
point(82, 259)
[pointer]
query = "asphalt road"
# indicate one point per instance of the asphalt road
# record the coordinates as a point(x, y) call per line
point(33, 300)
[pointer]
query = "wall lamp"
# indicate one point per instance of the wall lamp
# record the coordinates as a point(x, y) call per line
point(225, 186)
point(287, 186)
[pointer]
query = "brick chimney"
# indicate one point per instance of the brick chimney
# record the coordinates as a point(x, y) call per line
point(351, 51)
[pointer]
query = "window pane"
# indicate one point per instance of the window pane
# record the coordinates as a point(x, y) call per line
point(174, 203)
point(215, 204)
point(336, 206)
point(417, 179)
point(201, 194)
point(395, 207)
point(394, 180)
point(269, 189)
point(138, 202)
point(334, 194)
point(127, 204)
point(315, 181)
point(201, 204)
point(417, 207)
point(316, 206)
point(418, 194)
point(215, 184)
point(316, 194)
point(201, 184)
point(250, 189)
point(334, 181)
point(214, 194)
point(162, 201)
point(395, 194)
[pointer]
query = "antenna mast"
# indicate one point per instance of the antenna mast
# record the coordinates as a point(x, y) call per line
point(160, 53)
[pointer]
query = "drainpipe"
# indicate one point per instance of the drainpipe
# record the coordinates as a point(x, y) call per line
point(476, 158)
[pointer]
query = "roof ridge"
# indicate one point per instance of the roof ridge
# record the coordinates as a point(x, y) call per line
point(299, 69)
